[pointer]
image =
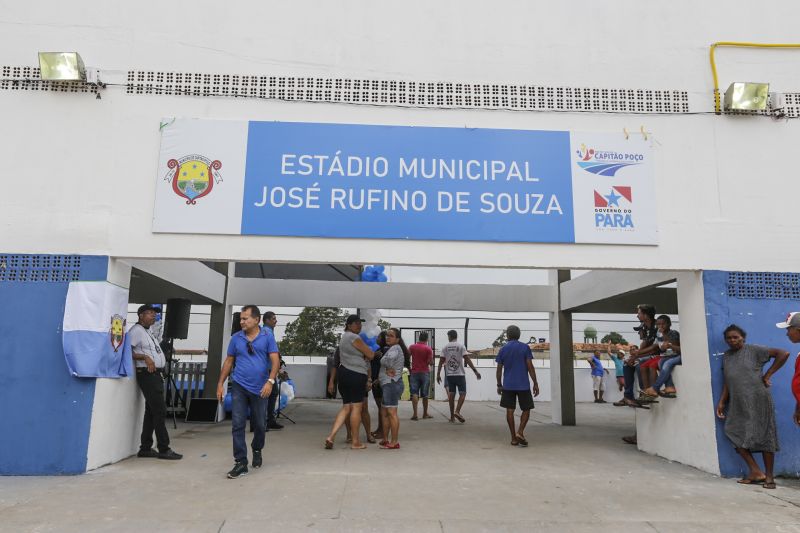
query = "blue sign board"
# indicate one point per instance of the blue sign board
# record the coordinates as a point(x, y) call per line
point(403, 182)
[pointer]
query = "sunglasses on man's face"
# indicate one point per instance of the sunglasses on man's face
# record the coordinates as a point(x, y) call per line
point(250, 349)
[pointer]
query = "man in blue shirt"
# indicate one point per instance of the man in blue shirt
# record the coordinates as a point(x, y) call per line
point(598, 386)
point(516, 359)
point(255, 353)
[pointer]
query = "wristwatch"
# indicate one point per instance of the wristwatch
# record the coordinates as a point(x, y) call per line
point(270, 380)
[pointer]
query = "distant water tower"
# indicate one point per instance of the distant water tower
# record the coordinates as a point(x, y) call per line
point(590, 335)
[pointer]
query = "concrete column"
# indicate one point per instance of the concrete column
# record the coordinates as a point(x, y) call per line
point(562, 381)
point(684, 429)
point(219, 333)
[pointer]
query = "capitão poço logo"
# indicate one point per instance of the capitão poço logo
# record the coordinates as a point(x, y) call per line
point(193, 176)
point(606, 162)
point(613, 210)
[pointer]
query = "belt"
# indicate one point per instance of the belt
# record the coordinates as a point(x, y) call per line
point(143, 370)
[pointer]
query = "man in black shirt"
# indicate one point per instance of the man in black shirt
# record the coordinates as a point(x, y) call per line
point(647, 334)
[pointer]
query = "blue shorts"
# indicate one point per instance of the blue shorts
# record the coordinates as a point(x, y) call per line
point(456, 382)
point(392, 392)
point(419, 384)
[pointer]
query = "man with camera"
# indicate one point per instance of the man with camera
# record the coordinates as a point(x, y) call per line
point(257, 362)
point(150, 361)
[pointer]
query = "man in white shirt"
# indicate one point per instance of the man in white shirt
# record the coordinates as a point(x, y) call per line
point(150, 361)
point(454, 355)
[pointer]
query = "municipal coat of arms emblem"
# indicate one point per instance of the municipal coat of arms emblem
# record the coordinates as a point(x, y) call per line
point(117, 331)
point(193, 176)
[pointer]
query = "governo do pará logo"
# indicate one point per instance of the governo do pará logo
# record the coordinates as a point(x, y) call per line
point(606, 162)
point(193, 176)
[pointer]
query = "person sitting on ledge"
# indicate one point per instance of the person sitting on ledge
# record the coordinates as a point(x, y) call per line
point(669, 343)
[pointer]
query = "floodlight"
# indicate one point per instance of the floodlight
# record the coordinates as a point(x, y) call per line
point(62, 66)
point(746, 96)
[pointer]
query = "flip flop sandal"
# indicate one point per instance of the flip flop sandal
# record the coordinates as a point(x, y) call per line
point(427, 416)
point(414, 418)
point(459, 418)
point(635, 404)
point(328, 444)
point(362, 447)
point(522, 441)
point(770, 485)
point(748, 481)
point(371, 439)
point(515, 442)
point(383, 443)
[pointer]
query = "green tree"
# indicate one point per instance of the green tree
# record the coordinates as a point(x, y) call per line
point(313, 332)
point(614, 338)
point(500, 341)
point(384, 325)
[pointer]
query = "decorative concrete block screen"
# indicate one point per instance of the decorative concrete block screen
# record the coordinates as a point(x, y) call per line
point(763, 285)
point(41, 268)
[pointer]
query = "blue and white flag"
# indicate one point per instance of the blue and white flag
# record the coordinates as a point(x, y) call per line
point(95, 335)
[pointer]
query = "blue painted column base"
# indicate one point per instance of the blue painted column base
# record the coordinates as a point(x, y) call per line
point(45, 426)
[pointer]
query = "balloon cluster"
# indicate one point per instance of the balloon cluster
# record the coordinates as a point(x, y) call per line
point(374, 273)
point(370, 329)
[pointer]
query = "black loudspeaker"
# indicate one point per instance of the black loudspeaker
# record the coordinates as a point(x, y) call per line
point(202, 410)
point(236, 326)
point(176, 323)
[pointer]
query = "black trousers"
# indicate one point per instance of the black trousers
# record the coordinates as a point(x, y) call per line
point(273, 397)
point(155, 410)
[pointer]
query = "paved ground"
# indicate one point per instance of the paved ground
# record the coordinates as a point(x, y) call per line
point(446, 477)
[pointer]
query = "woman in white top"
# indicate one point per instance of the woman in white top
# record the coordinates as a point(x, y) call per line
point(391, 378)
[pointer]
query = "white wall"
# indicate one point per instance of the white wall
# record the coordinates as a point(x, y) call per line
point(309, 378)
point(116, 421)
point(87, 167)
point(683, 429)
point(118, 405)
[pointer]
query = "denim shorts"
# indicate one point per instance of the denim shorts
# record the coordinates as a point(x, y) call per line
point(419, 384)
point(392, 392)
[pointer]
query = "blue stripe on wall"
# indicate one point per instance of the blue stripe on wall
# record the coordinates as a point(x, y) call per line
point(757, 316)
point(47, 413)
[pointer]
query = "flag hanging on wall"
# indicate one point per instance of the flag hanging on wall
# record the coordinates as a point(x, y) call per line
point(94, 333)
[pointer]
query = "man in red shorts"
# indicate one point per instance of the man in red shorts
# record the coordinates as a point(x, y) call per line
point(792, 327)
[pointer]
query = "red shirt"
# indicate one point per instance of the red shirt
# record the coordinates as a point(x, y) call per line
point(421, 357)
point(796, 380)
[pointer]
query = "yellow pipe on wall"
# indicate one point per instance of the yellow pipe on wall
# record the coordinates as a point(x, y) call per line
point(717, 107)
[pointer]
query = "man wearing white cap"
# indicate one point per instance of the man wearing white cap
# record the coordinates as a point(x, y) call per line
point(792, 327)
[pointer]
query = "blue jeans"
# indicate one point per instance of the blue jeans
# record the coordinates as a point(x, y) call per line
point(419, 383)
point(630, 373)
point(665, 367)
point(241, 400)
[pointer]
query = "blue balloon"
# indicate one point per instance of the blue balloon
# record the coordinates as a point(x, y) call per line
point(372, 342)
point(374, 273)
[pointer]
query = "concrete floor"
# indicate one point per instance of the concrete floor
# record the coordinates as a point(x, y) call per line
point(446, 477)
